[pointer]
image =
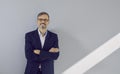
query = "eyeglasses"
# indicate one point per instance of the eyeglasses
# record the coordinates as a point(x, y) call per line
point(46, 20)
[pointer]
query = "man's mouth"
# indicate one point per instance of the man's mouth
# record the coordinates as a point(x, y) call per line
point(43, 26)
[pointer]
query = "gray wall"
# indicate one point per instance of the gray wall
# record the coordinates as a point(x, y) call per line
point(82, 26)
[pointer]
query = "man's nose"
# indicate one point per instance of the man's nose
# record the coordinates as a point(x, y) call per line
point(43, 21)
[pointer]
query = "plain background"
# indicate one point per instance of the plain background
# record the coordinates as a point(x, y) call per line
point(82, 26)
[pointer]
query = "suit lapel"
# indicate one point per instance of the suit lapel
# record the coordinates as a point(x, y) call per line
point(37, 40)
point(46, 40)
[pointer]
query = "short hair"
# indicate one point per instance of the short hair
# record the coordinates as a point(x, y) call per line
point(42, 13)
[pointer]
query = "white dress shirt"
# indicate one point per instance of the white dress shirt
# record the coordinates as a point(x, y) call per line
point(42, 39)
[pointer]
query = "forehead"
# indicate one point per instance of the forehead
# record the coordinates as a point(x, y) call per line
point(44, 16)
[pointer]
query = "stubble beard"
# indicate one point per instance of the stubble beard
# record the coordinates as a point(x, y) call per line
point(42, 28)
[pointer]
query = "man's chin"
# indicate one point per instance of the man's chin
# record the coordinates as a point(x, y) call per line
point(42, 29)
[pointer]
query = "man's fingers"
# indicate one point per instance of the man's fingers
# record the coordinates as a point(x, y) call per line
point(51, 50)
point(54, 50)
point(36, 51)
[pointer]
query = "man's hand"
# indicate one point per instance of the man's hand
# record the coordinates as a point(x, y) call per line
point(54, 50)
point(36, 51)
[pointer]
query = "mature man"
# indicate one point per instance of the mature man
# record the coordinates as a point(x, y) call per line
point(41, 47)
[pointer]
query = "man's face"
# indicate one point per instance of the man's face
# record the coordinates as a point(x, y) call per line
point(42, 21)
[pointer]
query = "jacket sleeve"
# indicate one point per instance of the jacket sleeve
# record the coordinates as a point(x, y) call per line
point(44, 55)
point(28, 49)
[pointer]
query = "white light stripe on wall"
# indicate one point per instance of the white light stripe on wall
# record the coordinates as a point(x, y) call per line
point(95, 57)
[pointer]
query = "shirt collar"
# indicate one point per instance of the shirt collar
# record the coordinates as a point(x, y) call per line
point(41, 34)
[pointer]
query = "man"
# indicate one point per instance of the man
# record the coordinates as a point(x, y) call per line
point(41, 48)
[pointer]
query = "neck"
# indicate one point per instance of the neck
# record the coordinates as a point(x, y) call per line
point(43, 31)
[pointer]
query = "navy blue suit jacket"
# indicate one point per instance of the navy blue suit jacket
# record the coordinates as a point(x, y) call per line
point(46, 58)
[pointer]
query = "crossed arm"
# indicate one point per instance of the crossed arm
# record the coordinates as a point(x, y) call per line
point(40, 55)
point(53, 54)
point(52, 50)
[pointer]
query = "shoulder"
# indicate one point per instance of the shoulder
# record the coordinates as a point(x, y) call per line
point(30, 33)
point(52, 33)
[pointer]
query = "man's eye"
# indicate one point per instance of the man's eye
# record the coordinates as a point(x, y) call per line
point(43, 20)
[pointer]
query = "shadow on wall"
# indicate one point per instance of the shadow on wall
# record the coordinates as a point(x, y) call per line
point(71, 51)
